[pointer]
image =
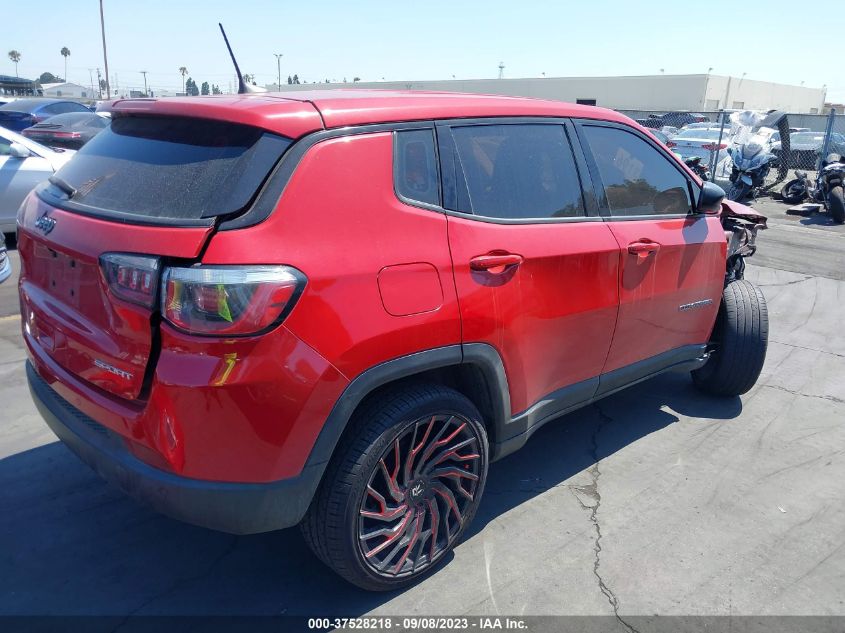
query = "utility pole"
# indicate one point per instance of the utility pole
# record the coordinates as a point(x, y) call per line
point(91, 79)
point(278, 70)
point(144, 72)
point(105, 56)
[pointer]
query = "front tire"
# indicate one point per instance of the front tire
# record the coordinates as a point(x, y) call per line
point(739, 191)
point(740, 338)
point(793, 192)
point(836, 204)
point(403, 486)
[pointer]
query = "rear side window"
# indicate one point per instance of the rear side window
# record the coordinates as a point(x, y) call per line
point(172, 167)
point(416, 167)
point(518, 171)
point(637, 179)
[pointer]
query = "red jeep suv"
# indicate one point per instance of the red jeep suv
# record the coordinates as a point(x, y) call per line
point(335, 309)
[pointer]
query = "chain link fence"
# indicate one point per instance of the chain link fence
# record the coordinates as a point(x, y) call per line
point(710, 134)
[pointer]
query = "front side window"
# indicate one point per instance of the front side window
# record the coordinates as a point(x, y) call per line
point(637, 179)
point(518, 171)
point(416, 166)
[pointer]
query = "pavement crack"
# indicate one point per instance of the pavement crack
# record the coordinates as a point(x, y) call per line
point(593, 502)
point(809, 349)
point(807, 395)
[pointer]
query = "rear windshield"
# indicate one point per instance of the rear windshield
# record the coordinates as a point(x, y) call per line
point(172, 167)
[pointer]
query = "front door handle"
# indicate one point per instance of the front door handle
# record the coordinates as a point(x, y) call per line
point(496, 263)
point(643, 248)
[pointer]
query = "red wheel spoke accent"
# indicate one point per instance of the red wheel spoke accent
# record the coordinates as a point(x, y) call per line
point(455, 473)
point(393, 535)
point(392, 484)
point(452, 453)
point(435, 524)
point(447, 495)
point(440, 443)
point(409, 463)
point(415, 534)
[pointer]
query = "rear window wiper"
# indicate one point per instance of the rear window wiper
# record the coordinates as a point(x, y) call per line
point(63, 185)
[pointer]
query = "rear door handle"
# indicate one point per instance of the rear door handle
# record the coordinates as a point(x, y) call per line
point(643, 248)
point(495, 263)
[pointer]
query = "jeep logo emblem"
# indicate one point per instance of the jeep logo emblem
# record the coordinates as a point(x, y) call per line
point(45, 223)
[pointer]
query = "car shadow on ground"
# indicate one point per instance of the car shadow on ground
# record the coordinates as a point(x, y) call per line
point(74, 545)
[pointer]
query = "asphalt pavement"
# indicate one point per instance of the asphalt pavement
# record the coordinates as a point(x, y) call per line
point(657, 500)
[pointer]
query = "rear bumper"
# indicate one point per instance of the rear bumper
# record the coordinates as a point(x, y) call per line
point(237, 508)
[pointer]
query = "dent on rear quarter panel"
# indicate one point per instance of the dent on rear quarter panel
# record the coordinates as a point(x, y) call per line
point(340, 223)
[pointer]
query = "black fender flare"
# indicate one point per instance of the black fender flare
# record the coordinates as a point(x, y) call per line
point(483, 356)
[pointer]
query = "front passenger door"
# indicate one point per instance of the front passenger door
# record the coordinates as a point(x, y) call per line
point(672, 258)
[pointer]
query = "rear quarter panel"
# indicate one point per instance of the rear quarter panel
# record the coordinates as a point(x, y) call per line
point(340, 223)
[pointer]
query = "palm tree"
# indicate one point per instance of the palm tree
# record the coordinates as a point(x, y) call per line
point(183, 71)
point(65, 53)
point(15, 56)
point(249, 79)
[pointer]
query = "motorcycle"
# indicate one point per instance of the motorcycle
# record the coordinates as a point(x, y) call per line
point(694, 163)
point(827, 189)
point(751, 165)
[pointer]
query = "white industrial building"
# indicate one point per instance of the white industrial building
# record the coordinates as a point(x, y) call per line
point(67, 89)
point(645, 92)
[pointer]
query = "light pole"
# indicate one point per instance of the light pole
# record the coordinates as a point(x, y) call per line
point(144, 72)
point(105, 56)
point(278, 69)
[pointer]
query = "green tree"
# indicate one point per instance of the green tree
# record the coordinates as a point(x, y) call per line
point(296, 79)
point(183, 71)
point(65, 53)
point(15, 56)
point(356, 79)
point(205, 88)
point(290, 81)
point(215, 89)
point(47, 78)
point(191, 87)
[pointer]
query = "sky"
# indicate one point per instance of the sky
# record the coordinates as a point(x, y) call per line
point(434, 39)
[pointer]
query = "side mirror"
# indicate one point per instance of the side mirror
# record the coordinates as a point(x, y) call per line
point(16, 150)
point(710, 199)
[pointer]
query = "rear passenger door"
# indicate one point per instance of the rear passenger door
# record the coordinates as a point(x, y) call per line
point(672, 258)
point(535, 266)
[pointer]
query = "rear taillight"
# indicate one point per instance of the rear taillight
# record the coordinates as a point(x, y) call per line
point(229, 300)
point(712, 147)
point(131, 277)
point(670, 144)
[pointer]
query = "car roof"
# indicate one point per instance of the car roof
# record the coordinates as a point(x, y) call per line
point(296, 113)
point(30, 104)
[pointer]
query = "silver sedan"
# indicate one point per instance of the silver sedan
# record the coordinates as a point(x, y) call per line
point(23, 164)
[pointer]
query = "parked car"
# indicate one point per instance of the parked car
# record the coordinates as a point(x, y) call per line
point(70, 130)
point(23, 164)
point(702, 143)
point(227, 359)
point(5, 263)
point(675, 119)
point(805, 148)
point(22, 113)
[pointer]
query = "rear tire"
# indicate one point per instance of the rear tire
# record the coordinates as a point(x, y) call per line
point(739, 192)
point(740, 337)
point(386, 515)
point(836, 204)
point(793, 192)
